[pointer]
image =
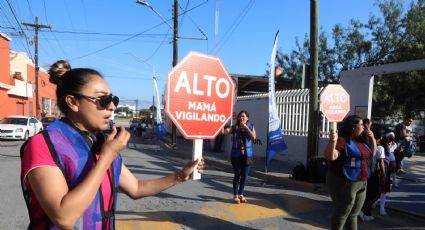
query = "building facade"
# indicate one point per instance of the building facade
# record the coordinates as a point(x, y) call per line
point(17, 85)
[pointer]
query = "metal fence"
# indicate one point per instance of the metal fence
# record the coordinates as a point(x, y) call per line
point(293, 109)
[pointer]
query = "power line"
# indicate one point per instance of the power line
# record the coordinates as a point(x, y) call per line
point(235, 24)
point(47, 21)
point(131, 78)
point(116, 43)
point(160, 45)
point(19, 24)
point(29, 6)
point(197, 27)
point(36, 28)
point(134, 36)
point(87, 33)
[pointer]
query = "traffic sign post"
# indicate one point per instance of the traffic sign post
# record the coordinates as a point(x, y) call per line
point(334, 103)
point(199, 99)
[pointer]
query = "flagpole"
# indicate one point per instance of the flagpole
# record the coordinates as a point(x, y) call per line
point(275, 142)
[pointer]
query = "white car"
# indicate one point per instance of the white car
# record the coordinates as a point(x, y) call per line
point(19, 127)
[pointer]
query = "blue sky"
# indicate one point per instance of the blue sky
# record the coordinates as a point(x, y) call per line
point(246, 29)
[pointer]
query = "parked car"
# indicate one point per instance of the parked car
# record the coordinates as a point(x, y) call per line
point(19, 127)
point(46, 121)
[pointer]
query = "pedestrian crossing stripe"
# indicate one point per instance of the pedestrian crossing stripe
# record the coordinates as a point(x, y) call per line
point(146, 220)
point(253, 210)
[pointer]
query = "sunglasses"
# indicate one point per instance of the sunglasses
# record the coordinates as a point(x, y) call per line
point(104, 101)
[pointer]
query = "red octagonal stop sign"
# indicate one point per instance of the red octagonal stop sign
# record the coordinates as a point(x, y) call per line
point(335, 102)
point(199, 96)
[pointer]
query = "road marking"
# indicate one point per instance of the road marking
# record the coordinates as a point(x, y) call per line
point(146, 220)
point(253, 210)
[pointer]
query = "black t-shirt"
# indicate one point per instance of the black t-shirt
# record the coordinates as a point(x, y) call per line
point(399, 131)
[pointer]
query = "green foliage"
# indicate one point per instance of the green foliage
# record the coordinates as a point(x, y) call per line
point(145, 113)
point(395, 36)
point(127, 110)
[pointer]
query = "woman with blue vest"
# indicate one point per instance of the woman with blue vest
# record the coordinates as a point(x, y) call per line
point(347, 155)
point(71, 172)
point(241, 156)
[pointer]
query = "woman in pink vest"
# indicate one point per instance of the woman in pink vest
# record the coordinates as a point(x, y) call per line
point(70, 172)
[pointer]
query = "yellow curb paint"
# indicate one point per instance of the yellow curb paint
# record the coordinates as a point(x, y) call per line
point(253, 210)
point(146, 221)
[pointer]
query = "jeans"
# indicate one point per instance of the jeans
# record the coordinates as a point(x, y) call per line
point(241, 171)
point(347, 199)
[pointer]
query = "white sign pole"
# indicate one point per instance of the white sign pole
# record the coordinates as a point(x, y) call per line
point(333, 126)
point(197, 154)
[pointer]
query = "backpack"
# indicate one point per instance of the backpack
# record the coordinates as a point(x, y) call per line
point(409, 149)
point(299, 172)
point(317, 170)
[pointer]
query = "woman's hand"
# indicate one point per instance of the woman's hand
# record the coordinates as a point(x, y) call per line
point(243, 126)
point(369, 133)
point(188, 169)
point(330, 152)
point(333, 136)
point(115, 142)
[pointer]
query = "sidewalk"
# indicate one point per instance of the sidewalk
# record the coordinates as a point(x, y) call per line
point(408, 198)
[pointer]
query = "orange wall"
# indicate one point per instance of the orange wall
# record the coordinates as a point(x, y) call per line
point(4, 60)
point(46, 89)
point(11, 104)
point(31, 101)
point(6, 103)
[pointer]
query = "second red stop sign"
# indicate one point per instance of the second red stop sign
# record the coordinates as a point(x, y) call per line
point(199, 96)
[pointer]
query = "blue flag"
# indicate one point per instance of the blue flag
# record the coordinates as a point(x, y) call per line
point(275, 141)
point(160, 129)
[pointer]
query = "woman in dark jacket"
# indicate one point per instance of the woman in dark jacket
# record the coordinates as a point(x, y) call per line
point(348, 155)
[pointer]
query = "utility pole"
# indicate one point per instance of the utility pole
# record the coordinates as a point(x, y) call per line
point(137, 109)
point(175, 60)
point(312, 144)
point(36, 27)
point(175, 48)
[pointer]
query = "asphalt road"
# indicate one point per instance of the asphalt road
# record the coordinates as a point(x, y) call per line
point(202, 204)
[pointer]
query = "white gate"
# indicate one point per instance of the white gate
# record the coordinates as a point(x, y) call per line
point(293, 109)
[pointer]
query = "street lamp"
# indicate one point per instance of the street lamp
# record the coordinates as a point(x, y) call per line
point(144, 3)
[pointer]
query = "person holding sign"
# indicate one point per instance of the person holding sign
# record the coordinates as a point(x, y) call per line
point(347, 154)
point(71, 172)
point(241, 154)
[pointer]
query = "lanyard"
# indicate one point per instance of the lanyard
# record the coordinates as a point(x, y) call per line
point(109, 212)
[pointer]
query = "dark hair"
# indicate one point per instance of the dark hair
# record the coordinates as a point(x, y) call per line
point(348, 125)
point(407, 117)
point(69, 81)
point(378, 133)
point(366, 121)
point(242, 111)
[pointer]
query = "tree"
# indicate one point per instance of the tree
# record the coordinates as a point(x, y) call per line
point(145, 113)
point(126, 110)
point(393, 37)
